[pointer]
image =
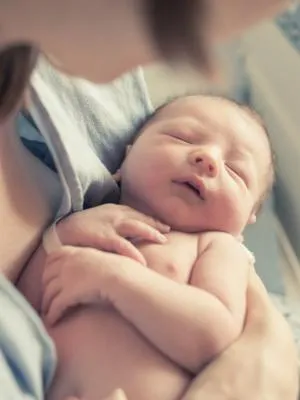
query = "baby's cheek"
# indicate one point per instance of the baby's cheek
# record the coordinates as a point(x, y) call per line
point(231, 214)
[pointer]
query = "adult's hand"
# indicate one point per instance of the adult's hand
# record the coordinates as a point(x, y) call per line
point(261, 365)
point(111, 228)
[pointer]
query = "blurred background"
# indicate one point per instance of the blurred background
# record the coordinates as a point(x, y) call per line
point(262, 69)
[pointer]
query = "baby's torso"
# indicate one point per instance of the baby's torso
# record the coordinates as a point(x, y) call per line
point(98, 350)
point(174, 259)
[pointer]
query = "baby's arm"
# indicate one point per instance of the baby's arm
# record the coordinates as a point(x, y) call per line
point(189, 324)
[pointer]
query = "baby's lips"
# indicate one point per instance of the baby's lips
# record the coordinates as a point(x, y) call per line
point(199, 185)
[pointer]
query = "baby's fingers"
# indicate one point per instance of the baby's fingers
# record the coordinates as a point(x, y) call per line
point(146, 219)
point(51, 291)
point(133, 229)
point(57, 308)
point(125, 248)
point(50, 273)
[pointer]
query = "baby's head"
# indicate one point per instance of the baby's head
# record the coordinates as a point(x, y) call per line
point(200, 163)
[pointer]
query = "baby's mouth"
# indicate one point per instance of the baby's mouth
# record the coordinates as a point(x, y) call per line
point(195, 188)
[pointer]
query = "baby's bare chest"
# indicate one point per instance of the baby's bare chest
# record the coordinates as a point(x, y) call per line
point(174, 259)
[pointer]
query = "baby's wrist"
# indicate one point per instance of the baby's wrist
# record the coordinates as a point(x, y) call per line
point(115, 283)
point(58, 234)
point(122, 282)
point(64, 230)
point(67, 230)
point(51, 239)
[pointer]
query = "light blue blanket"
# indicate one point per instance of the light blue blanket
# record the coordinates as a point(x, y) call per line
point(27, 356)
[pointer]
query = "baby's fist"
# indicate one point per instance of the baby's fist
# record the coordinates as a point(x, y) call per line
point(71, 278)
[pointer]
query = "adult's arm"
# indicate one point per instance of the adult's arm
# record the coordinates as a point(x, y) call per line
point(262, 364)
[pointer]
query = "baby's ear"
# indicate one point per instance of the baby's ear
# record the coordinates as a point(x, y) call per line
point(252, 218)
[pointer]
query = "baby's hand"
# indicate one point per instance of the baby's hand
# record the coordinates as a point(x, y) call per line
point(74, 276)
point(113, 228)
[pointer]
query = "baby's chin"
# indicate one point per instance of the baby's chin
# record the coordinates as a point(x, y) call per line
point(190, 224)
point(180, 221)
point(184, 217)
point(180, 217)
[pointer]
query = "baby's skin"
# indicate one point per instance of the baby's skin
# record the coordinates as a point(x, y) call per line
point(149, 328)
point(108, 344)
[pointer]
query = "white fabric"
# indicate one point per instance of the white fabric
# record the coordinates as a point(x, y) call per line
point(87, 128)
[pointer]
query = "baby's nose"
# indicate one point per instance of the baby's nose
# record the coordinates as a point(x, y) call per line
point(206, 163)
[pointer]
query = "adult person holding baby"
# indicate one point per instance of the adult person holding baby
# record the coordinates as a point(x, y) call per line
point(91, 40)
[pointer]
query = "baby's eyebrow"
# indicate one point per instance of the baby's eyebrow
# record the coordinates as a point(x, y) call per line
point(188, 128)
point(184, 122)
point(242, 150)
point(247, 163)
point(241, 154)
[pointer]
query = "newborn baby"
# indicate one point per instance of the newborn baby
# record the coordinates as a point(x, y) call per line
point(202, 165)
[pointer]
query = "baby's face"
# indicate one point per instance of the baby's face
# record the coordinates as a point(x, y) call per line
point(202, 164)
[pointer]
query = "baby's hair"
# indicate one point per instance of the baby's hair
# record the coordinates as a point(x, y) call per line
point(270, 178)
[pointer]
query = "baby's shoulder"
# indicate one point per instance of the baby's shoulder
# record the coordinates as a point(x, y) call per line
point(223, 240)
point(209, 238)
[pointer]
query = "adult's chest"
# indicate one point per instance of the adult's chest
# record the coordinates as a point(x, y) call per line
point(174, 259)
